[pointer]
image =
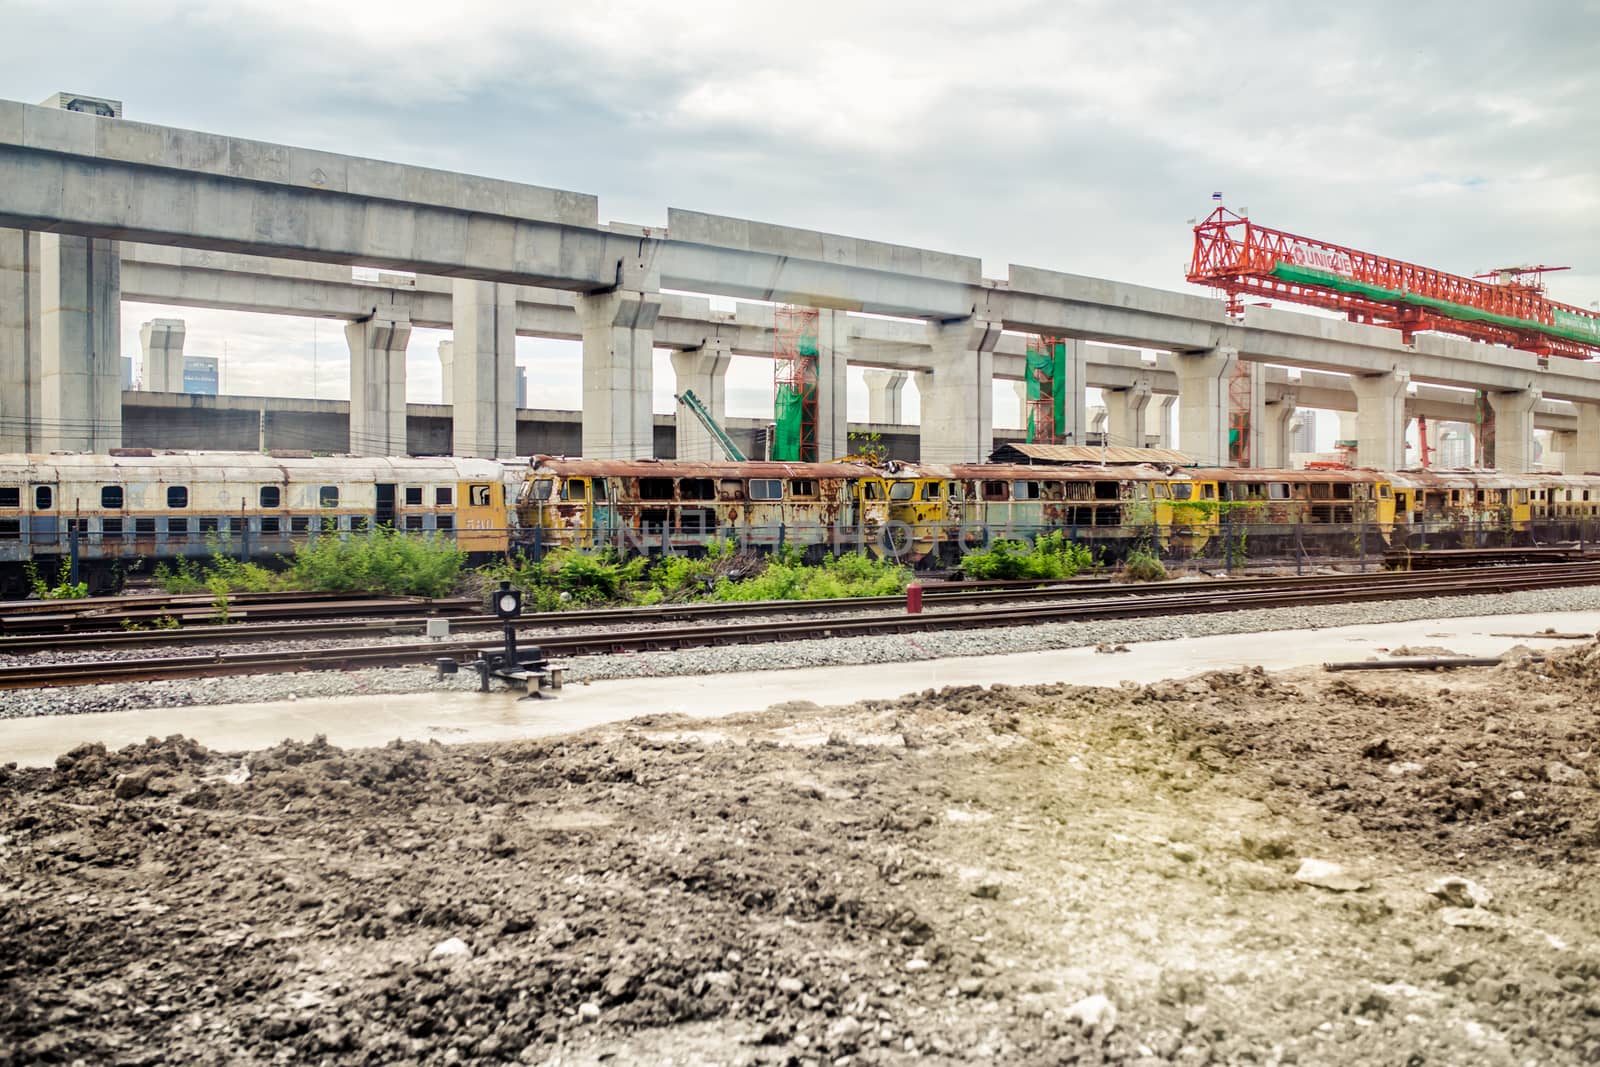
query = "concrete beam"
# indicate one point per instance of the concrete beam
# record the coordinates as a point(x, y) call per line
point(180, 187)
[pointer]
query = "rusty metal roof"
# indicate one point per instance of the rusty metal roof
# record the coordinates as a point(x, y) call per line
point(1019, 452)
point(1031, 472)
point(1352, 476)
point(565, 466)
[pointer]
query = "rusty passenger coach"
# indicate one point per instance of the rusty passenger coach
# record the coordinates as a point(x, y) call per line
point(143, 505)
point(655, 506)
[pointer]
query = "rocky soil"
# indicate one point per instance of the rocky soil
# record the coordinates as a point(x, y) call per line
point(1240, 868)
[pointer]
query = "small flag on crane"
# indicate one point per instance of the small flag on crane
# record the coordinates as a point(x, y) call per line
point(1216, 196)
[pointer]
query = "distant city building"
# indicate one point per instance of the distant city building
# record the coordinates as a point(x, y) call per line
point(200, 375)
point(1305, 436)
point(1453, 446)
point(127, 372)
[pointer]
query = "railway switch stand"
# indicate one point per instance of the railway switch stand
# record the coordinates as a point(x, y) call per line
point(526, 667)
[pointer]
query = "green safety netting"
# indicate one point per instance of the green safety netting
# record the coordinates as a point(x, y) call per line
point(788, 409)
point(1049, 365)
point(1568, 325)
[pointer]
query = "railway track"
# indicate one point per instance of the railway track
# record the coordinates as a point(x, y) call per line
point(1121, 604)
point(103, 613)
point(936, 597)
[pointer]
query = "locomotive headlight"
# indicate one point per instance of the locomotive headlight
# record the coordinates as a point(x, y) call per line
point(507, 602)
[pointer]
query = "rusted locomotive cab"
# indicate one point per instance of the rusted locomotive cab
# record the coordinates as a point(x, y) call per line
point(1471, 508)
point(658, 506)
point(1278, 511)
point(114, 510)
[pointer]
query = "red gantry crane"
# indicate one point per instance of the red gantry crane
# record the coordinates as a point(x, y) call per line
point(1507, 306)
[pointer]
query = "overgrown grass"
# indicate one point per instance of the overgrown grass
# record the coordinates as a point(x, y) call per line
point(1051, 556)
point(842, 576)
point(572, 579)
point(1142, 566)
point(384, 561)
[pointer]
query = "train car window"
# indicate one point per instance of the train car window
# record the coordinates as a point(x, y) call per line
point(236, 524)
point(1321, 491)
point(1522, 496)
point(1586, 494)
point(328, 496)
point(1161, 491)
point(177, 497)
point(10, 529)
point(1341, 491)
point(270, 496)
point(1383, 491)
point(1182, 491)
point(43, 498)
point(1024, 490)
point(952, 490)
point(1061, 491)
point(299, 524)
point(1278, 490)
point(111, 528)
point(655, 488)
point(1569, 494)
point(208, 525)
point(871, 490)
point(271, 524)
point(766, 489)
point(177, 526)
point(574, 489)
point(1208, 491)
point(10, 496)
point(444, 496)
point(996, 491)
point(445, 522)
point(600, 490)
point(413, 523)
point(1106, 491)
point(1482, 496)
point(144, 526)
point(931, 491)
point(111, 497)
point(358, 522)
point(803, 488)
point(902, 491)
point(541, 491)
point(414, 494)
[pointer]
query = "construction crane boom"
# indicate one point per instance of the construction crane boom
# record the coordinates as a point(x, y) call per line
point(1235, 255)
point(692, 402)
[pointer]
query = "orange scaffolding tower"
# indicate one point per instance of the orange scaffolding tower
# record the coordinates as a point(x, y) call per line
point(794, 374)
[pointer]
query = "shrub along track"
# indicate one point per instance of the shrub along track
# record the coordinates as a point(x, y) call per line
point(1085, 605)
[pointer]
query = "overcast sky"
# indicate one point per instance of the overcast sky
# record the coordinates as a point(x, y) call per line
point(1072, 134)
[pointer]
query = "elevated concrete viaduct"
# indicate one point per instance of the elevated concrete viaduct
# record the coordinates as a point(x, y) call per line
point(73, 186)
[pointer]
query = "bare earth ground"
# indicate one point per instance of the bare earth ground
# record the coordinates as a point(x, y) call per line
point(944, 878)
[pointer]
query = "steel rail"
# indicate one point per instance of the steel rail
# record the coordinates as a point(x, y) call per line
point(569, 645)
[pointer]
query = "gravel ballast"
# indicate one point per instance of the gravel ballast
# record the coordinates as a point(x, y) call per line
point(890, 648)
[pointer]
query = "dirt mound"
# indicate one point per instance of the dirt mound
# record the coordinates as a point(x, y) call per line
point(1021, 875)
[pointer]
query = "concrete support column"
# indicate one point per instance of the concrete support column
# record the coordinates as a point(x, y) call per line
point(1347, 427)
point(704, 371)
point(1125, 410)
point(162, 341)
point(958, 394)
point(833, 368)
point(886, 396)
point(378, 382)
point(80, 343)
point(1513, 430)
point(447, 372)
point(1381, 420)
point(19, 341)
point(1583, 454)
point(1165, 432)
point(618, 372)
point(1205, 384)
point(1274, 441)
point(485, 357)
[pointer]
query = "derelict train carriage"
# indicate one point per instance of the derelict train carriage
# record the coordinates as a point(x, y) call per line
point(658, 506)
point(141, 504)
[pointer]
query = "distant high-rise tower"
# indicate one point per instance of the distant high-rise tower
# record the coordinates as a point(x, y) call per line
point(1454, 447)
point(1305, 435)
